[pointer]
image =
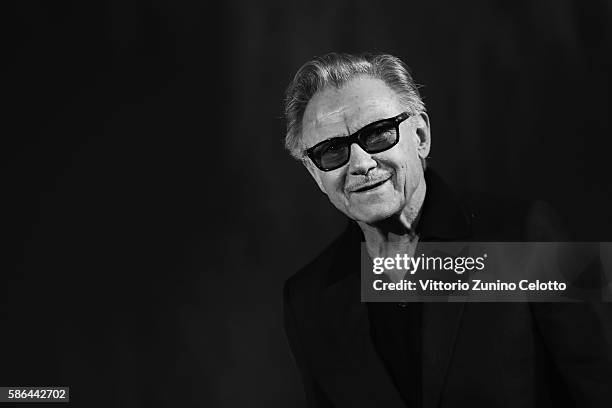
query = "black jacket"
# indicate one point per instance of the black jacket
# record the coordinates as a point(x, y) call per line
point(473, 354)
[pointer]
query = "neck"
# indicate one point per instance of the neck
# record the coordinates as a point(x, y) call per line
point(392, 235)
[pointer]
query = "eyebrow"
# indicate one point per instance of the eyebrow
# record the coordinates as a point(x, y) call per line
point(357, 131)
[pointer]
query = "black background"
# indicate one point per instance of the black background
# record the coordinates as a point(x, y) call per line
point(152, 213)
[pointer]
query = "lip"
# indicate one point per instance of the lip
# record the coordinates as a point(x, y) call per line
point(371, 187)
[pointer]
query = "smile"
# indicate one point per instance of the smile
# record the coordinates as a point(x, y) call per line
point(370, 187)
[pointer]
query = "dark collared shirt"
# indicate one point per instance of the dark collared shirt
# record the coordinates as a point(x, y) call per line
point(396, 329)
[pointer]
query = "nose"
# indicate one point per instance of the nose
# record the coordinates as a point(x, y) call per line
point(361, 162)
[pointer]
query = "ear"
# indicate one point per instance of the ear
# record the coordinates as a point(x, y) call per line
point(314, 172)
point(423, 135)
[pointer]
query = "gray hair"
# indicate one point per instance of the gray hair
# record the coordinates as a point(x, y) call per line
point(336, 69)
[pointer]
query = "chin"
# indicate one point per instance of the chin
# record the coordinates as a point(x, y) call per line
point(375, 214)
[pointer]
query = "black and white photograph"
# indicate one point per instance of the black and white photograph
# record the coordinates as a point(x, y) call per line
point(307, 204)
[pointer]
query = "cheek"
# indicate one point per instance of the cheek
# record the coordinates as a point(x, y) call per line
point(401, 168)
point(333, 184)
point(407, 170)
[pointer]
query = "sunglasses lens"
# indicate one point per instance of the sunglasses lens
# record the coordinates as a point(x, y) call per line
point(332, 155)
point(379, 138)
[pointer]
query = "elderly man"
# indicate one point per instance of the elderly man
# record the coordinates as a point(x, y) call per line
point(359, 126)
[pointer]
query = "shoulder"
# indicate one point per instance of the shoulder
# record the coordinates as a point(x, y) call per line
point(331, 265)
point(314, 276)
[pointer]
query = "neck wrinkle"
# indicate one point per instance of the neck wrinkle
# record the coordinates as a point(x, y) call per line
point(395, 234)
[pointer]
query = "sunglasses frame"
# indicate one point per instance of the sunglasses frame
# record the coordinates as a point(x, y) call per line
point(354, 138)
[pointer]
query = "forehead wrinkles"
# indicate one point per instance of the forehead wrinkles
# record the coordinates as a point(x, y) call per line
point(321, 123)
point(337, 112)
point(352, 118)
point(330, 117)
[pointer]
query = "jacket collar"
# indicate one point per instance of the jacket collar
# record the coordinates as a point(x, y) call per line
point(443, 215)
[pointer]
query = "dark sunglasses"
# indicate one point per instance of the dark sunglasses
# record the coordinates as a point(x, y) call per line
point(376, 137)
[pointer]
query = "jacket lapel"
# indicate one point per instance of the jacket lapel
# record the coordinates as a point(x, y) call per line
point(354, 362)
point(362, 368)
point(358, 365)
point(443, 219)
point(441, 323)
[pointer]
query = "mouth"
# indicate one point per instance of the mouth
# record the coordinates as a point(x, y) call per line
point(370, 187)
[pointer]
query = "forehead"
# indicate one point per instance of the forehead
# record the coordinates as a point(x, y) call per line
point(337, 112)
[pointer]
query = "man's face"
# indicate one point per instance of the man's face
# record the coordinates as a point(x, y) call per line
point(370, 187)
